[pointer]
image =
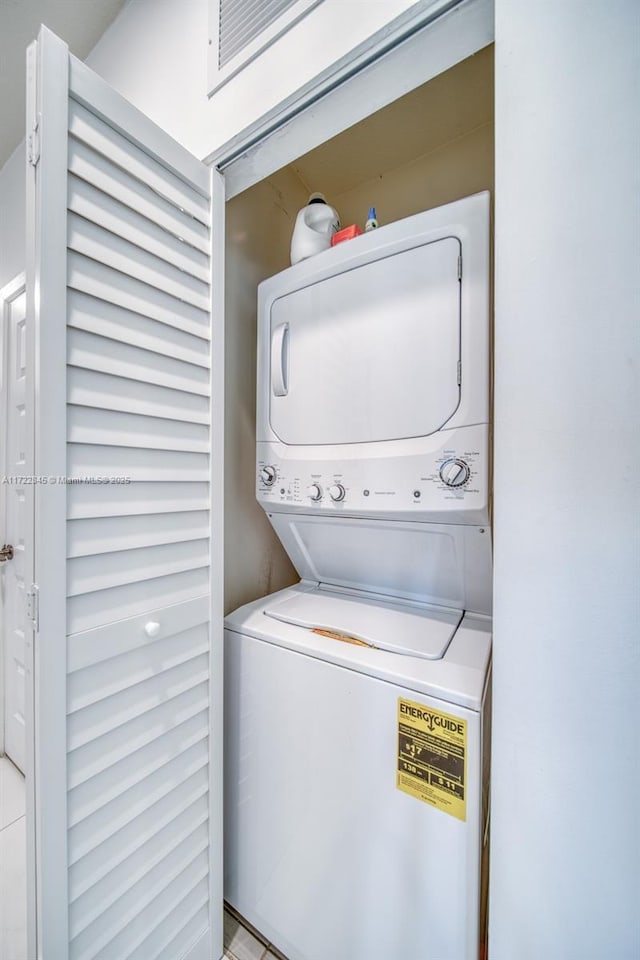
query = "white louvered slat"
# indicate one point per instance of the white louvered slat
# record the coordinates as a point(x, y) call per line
point(101, 571)
point(87, 761)
point(104, 283)
point(123, 118)
point(156, 853)
point(107, 392)
point(133, 917)
point(96, 865)
point(93, 205)
point(145, 930)
point(105, 355)
point(193, 905)
point(86, 126)
point(116, 323)
point(92, 460)
point(97, 171)
point(86, 611)
point(106, 534)
point(106, 500)
point(99, 719)
point(103, 713)
point(91, 832)
point(93, 241)
point(126, 320)
point(145, 662)
point(181, 925)
point(92, 800)
point(96, 883)
point(113, 428)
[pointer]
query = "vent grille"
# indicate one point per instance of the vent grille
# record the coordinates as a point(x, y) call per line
point(241, 21)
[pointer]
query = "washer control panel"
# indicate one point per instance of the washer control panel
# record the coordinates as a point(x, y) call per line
point(428, 486)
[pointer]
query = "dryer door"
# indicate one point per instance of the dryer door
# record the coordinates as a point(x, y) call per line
point(369, 354)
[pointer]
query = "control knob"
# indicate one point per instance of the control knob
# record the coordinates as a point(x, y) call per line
point(268, 475)
point(455, 473)
point(314, 492)
point(336, 491)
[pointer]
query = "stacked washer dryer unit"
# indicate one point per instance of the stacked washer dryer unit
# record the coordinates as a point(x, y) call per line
point(355, 701)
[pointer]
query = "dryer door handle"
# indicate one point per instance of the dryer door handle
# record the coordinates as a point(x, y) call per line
point(280, 360)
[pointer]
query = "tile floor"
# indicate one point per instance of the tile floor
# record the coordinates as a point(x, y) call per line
point(13, 879)
point(240, 941)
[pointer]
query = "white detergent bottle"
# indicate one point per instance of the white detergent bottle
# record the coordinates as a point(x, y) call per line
point(315, 225)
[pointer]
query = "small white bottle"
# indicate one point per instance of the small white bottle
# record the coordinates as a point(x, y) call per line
point(315, 225)
point(372, 221)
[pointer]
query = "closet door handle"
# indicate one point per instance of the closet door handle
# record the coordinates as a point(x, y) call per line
point(280, 360)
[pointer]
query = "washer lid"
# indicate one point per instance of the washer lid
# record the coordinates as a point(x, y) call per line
point(414, 631)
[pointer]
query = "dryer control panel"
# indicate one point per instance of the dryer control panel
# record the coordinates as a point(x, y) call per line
point(447, 483)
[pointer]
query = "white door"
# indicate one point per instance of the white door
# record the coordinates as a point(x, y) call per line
point(331, 380)
point(15, 522)
point(127, 651)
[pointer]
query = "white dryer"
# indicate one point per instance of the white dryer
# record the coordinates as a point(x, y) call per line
point(355, 718)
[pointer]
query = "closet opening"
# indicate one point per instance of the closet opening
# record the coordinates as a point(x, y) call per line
point(433, 146)
point(430, 147)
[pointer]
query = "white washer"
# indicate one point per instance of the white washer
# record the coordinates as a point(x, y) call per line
point(324, 854)
point(356, 750)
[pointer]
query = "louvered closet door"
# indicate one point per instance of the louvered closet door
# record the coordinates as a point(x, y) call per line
point(128, 688)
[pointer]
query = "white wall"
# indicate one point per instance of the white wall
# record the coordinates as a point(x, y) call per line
point(155, 54)
point(12, 216)
point(565, 850)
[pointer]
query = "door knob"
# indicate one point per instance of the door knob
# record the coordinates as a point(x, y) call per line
point(6, 552)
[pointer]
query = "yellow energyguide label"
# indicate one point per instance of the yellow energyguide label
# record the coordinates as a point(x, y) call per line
point(432, 757)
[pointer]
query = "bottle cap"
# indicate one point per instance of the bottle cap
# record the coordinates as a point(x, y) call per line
point(317, 198)
point(372, 213)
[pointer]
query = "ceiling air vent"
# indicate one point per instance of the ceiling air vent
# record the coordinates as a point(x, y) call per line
point(241, 29)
